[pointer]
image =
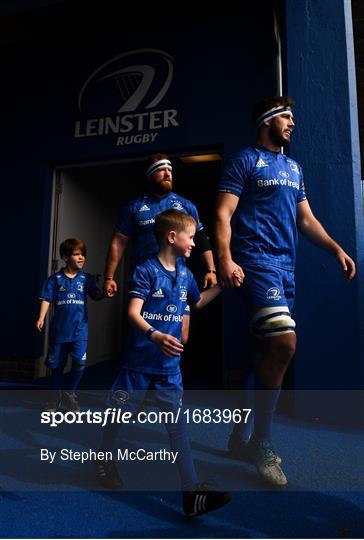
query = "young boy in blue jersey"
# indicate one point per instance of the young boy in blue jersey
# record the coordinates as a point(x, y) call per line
point(67, 290)
point(264, 190)
point(161, 290)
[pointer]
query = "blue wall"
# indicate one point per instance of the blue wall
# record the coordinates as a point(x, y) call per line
point(320, 75)
point(221, 67)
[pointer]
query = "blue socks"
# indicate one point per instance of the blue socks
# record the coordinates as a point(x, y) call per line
point(265, 405)
point(74, 377)
point(244, 430)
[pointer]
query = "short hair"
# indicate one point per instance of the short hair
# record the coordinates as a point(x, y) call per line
point(263, 106)
point(70, 245)
point(154, 158)
point(171, 220)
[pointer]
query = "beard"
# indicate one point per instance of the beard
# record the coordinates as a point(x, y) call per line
point(162, 188)
point(276, 136)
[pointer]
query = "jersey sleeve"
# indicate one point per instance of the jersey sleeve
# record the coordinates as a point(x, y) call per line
point(193, 294)
point(140, 283)
point(92, 289)
point(49, 289)
point(233, 179)
point(302, 191)
point(187, 310)
point(124, 224)
point(194, 213)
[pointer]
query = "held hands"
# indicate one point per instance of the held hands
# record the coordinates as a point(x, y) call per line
point(110, 288)
point(347, 264)
point(231, 274)
point(167, 343)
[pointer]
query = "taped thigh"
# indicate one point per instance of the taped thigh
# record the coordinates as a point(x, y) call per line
point(272, 321)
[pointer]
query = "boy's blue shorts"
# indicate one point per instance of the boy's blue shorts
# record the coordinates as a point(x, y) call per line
point(132, 388)
point(267, 286)
point(58, 353)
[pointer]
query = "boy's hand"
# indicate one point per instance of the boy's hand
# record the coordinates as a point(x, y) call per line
point(39, 324)
point(167, 343)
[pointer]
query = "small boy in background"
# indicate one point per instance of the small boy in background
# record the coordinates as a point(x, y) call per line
point(67, 290)
point(161, 290)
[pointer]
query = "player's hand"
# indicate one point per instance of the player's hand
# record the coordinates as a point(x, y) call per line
point(167, 343)
point(110, 288)
point(231, 274)
point(347, 264)
point(39, 324)
point(210, 280)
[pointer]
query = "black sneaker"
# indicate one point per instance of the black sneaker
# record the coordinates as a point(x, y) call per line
point(69, 401)
point(241, 449)
point(203, 500)
point(107, 474)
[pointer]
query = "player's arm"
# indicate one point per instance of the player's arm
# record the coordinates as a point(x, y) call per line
point(312, 229)
point(117, 248)
point(167, 343)
point(203, 245)
point(43, 310)
point(231, 274)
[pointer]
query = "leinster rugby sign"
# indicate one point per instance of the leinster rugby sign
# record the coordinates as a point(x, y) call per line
point(128, 88)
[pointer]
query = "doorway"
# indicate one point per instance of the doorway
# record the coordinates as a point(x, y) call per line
point(86, 205)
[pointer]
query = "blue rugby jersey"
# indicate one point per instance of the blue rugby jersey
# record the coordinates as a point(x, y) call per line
point(166, 298)
point(269, 186)
point(136, 220)
point(69, 297)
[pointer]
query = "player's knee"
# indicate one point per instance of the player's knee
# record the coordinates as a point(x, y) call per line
point(282, 348)
point(78, 367)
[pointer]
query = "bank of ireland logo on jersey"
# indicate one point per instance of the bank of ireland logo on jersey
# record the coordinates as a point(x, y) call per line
point(171, 308)
point(273, 293)
point(122, 96)
point(284, 174)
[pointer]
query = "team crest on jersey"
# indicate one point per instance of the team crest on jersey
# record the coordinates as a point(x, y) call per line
point(158, 294)
point(274, 293)
point(119, 397)
point(144, 208)
point(183, 295)
point(80, 286)
point(177, 205)
point(261, 163)
point(294, 167)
